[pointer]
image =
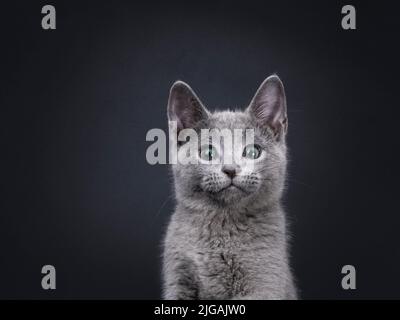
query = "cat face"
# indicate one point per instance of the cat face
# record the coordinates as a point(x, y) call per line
point(239, 157)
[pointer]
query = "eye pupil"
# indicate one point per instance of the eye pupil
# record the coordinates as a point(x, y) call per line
point(252, 152)
point(208, 152)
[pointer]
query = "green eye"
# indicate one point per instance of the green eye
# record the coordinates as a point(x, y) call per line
point(208, 152)
point(252, 151)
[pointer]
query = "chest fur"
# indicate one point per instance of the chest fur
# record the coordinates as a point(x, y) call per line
point(222, 261)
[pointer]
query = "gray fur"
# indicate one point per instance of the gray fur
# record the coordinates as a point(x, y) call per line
point(230, 243)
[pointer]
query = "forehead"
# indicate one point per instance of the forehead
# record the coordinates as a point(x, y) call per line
point(233, 120)
point(229, 120)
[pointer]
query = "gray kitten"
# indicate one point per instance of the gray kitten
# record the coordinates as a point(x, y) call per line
point(227, 238)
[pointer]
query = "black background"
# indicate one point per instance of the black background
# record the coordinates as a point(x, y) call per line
point(77, 102)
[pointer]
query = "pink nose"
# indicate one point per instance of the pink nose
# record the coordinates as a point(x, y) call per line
point(230, 171)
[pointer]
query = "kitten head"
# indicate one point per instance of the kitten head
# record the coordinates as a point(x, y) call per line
point(246, 169)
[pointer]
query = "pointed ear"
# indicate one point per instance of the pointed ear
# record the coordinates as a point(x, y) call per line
point(184, 106)
point(268, 107)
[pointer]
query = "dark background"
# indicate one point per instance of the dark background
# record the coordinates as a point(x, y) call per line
point(77, 102)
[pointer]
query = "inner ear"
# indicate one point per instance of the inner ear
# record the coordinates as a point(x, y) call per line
point(268, 106)
point(184, 106)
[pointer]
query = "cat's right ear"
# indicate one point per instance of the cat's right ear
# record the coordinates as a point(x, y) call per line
point(184, 106)
point(268, 107)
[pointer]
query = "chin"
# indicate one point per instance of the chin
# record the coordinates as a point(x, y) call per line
point(231, 195)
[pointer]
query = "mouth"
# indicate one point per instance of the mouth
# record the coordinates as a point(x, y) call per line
point(232, 187)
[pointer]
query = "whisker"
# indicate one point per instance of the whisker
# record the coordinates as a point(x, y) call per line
point(162, 206)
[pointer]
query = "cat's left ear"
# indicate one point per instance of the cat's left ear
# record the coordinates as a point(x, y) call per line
point(268, 106)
